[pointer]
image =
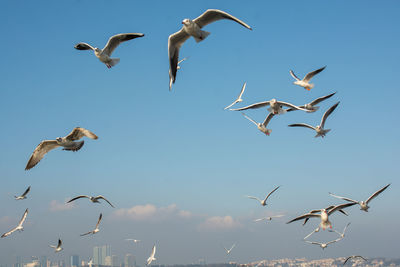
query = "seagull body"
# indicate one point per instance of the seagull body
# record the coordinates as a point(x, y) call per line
point(305, 81)
point(311, 107)
point(264, 201)
point(57, 248)
point(323, 214)
point(239, 98)
point(68, 142)
point(93, 199)
point(193, 28)
point(275, 106)
point(19, 227)
point(269, 218)
point(104, 55)
point(152, 258)
point(23, 196)
point(228, 251)
point(96, 229)
point(323, 245)
point(262, 126)
point(327, 209)
point(353, 257)
point(320, 128)
point(363, 204)
point(339, 233)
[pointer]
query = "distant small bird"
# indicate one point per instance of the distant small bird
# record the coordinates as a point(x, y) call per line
point(152, 258)
point(179, 62)
point(323, 245)
point(57, 248)
point(305, 82)
point(275, 106)
point(269, 218)
point(339, 233)
point(19, 227)
point(23, 196)
point(68, 142)
point(133, 240)
point(264, 202)
point(193, 28)
point(93, 199)
point(104, 55)
point(96, 229)
point(320, 128)
point(239, 98)
point(363, 204)
point(353, 257)
point(228, 251)
point(90, 262)
point(311, 106)
point(262, 126)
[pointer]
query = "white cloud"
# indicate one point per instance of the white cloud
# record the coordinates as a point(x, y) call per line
point(219, 223)
point(57, 206)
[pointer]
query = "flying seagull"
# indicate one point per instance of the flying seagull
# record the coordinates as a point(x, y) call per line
point(151, 258)
point(57, 248)
point(96, 229)
point(239, 98)
point(327, 209)
point(90, 262)
point(68, 142)
point(262, 126)
point(93, 199)
point(19, 227)
point(179, 62)
point(323, 245)
point(353, 257)
point(311, 106)
point(269, 218)
point(316, 230)
point(133, 240)
point(320, 128)
point(228, 251)
point(23, 196)
point(264, 202)
point(339, 233)
point(363, 204)
point(304, 83)
point(193, 28)
point(104, 55)
point(323, 214)
point(275, 106)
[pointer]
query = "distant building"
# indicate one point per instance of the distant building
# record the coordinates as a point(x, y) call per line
point(115, 261)
point(74, 261)
point(100, 254)
point(18, 261)
point(43, 261)
point(129, 260)
point(34, 263)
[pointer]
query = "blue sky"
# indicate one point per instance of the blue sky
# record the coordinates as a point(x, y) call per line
point(158, 148)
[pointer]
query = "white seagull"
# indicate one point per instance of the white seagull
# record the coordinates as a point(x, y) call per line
point(90, 262)
point(151, 258)
point(353, 257)
point(93, 199)
point(228, 251)
point(96, 229)
point(104, 55)
point(317, 211)
point(305, 82)
point(262, 126)
point(363, 204)
point(179, 62)
point(68, 142)
point(57, 248)
point(323, 245)
point(193, 28)
point(239, 98)
point(339, 233)
point(19, 227)
point(269, 218)
point(264, 201)
point(323, 214)
point(133, 240)
point(311, 106)
point(23, 196)
point(275, 106)
point(320, 128)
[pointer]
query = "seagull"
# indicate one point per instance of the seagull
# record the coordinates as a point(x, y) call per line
point(323, 245)
point(304, 83)
point(19, 226)
point(104, 55)
point(179, 62)
point(57, 248)
point(268, 218)
point(320, 128)
point(23, 196)
point(316, 230)
point(311, 106)
point(275, 106)
point(228, 251)
point(133, 240)
point(193, 28)
point(327, 209)
point(353, 257)
point(339, 233)
point(239, 98)
point(68, 142)
point(90, 262)
point(363, 204)
point(323, 214)
point(151, 258)
point(264, 202)
point(93, 199)
point(262, 126)
point(96, 229)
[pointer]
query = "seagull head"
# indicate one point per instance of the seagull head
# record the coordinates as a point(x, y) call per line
point(59, 139)
point(186, 22)
point(97, 50)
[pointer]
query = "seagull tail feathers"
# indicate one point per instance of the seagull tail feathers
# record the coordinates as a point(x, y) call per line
point(204, 35)
point(114, 61)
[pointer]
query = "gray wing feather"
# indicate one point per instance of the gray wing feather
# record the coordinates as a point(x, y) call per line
point(101, 197)
point(116, 40)
point(339, 207)
point(75, 198)
point(301, 125)
point(376, 193)
point(39, 152)
point(312, 74)
point(320, 99)
point(253, 106)
point(267, 119)
point(83, 46)
point(304, 216)
point(327, 113)
point(79, 132)
point(294, 75)
point(212, 15)
point(175, 41)
point(26, 191)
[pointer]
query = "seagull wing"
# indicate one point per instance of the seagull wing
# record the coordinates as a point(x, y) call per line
point(333, 241)
point(344, 198)
point(290, 105)
point(175, 41)
point(153, 252)
point(302, 125)
point(250, 119)
point(115, 41)
point(304, 216)
point(270, 193)
point(212, 15)
point(339, 207)
point(180, 61)
point(23, 218)
point(83, 46)
point(237, 99)
point(254, 106)
point(312, 242)
point(78, 132)
point(256, 198)
point(327, 113)
point(99, 220)
point(39, 152)
point(9, 233)
point(312, 74)
point(277, 216)
point(320, 99)
point(267, 119)
point(59, 243)
point(232, 247)
point(294, 75)
point(87, 233)
point(376, 193)
point(345, 228)
point(101, 197)
point(75, 198)
point(259, 220)
point(26, 191)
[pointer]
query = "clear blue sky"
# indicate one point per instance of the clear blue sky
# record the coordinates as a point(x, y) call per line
point(181, 148)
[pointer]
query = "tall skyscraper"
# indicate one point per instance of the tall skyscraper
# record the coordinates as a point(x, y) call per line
point(43, 261)
point(74, 261)
point(100, 254)
point(115, 261)
point(18, 262)
point(129, 260)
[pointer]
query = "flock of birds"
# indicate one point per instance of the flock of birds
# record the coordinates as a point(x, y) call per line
point(175, 41)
